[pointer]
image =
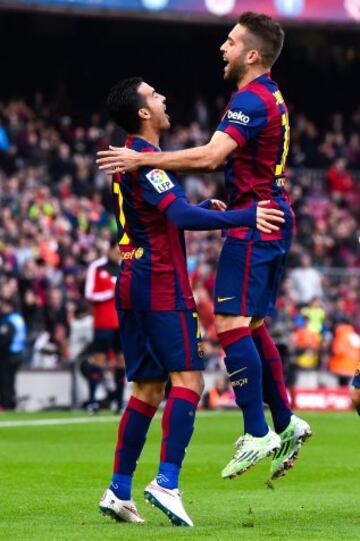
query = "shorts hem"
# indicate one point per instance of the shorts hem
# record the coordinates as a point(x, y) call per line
point(135, 379)
point(231, 312)
point(192, 369)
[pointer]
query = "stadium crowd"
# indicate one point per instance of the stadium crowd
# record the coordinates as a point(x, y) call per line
point(56, 218)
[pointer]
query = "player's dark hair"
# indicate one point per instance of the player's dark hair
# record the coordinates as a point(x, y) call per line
point(124, 102)
point(268, 32)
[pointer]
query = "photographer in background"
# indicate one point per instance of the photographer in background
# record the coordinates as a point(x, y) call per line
point(12, 346)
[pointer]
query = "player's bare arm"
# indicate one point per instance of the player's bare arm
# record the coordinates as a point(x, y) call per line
point(207, 157)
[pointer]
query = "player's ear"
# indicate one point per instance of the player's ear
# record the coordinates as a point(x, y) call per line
point(253, 56)
point(144, 113)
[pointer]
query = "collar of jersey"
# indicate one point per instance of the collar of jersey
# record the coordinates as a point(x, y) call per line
point(139, 144)
point(264, 78)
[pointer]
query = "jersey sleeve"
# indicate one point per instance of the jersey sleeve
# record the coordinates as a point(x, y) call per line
point(195, 218)
point(159, 188)
point(245, 117)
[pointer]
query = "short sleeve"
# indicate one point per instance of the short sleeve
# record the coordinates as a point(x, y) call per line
point(159, 188)
point(244, 118)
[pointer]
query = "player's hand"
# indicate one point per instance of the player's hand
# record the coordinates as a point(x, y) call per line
point(216, 204)
point(267, 218)
point(117, 160)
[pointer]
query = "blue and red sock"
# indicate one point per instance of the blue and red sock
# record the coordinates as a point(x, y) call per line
point(177, 428)
point(243, 365)
point(274, 388)
point(133, 427)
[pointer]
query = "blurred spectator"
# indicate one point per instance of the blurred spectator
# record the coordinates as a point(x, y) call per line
point(307, 344)
point(33, 314)
point(345, 352)
point(4, 140)
point(316, 315)
point(221, 396)
point(12, 347)
point(282, 331)
point(81, 332)
point(57, 322)
point(339, 179)
point(305, 281)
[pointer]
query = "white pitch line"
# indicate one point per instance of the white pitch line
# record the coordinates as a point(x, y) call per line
point(77, 420)
point(61, 421)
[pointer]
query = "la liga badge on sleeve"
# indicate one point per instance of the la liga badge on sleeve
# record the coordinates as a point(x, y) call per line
point(160, 180)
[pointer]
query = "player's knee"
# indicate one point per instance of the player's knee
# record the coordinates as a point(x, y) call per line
point(193, 380)
point(355, 396)
point(152, 392)
point(225, 323)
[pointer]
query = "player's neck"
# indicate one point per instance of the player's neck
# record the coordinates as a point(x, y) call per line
point(150, 135)
point(251, 75)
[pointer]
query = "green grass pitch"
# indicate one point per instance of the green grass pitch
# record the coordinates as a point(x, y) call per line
point(52, 477)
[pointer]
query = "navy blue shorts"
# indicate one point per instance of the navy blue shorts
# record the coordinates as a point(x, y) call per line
point(249, 275)
point(156, 343)
point(107, 340)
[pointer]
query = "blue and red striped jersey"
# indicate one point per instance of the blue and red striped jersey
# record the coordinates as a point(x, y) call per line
point(257, 119)
point(153, 273)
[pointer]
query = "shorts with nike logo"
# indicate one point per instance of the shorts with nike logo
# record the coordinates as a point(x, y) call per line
point(158, 342)
point(248, 277)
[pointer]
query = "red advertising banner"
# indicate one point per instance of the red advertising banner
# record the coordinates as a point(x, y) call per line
point(321, 399)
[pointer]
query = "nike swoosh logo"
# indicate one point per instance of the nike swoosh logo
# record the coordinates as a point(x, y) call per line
point(132, 510)
point(237, 371)
point(222, 299)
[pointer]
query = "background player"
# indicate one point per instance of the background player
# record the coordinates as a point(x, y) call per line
point(100, 291)
point(159, 325)
point(253, 137)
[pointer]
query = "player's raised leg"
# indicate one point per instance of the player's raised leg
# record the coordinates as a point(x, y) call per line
point(244, 368)
point(177, 428)
point(292, 430)
point(134, 424)
point(274, 388)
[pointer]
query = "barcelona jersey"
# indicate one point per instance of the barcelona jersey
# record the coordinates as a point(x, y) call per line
point(257, 119)
point(153, 274)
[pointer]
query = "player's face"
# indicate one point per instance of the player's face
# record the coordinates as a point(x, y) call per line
point(155, 107)
point(238, 54)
